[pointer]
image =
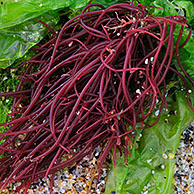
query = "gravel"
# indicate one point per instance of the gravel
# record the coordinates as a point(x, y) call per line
point(184, 168)
point(81, 178)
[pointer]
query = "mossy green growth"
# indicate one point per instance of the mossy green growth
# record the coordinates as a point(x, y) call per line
point(8, 83)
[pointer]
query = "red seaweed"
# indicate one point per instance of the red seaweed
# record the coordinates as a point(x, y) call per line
point(96, 79)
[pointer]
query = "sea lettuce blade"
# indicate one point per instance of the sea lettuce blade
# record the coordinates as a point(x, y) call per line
point(152, 164)
point(15, 41)
point(20, 28)
point(16, 12)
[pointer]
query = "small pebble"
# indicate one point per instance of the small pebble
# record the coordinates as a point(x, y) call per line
point(164, 156)
point(170, 155)
point(163, 166)
point(148, 161)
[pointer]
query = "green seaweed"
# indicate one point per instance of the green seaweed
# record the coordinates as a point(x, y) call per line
point(151, 167)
